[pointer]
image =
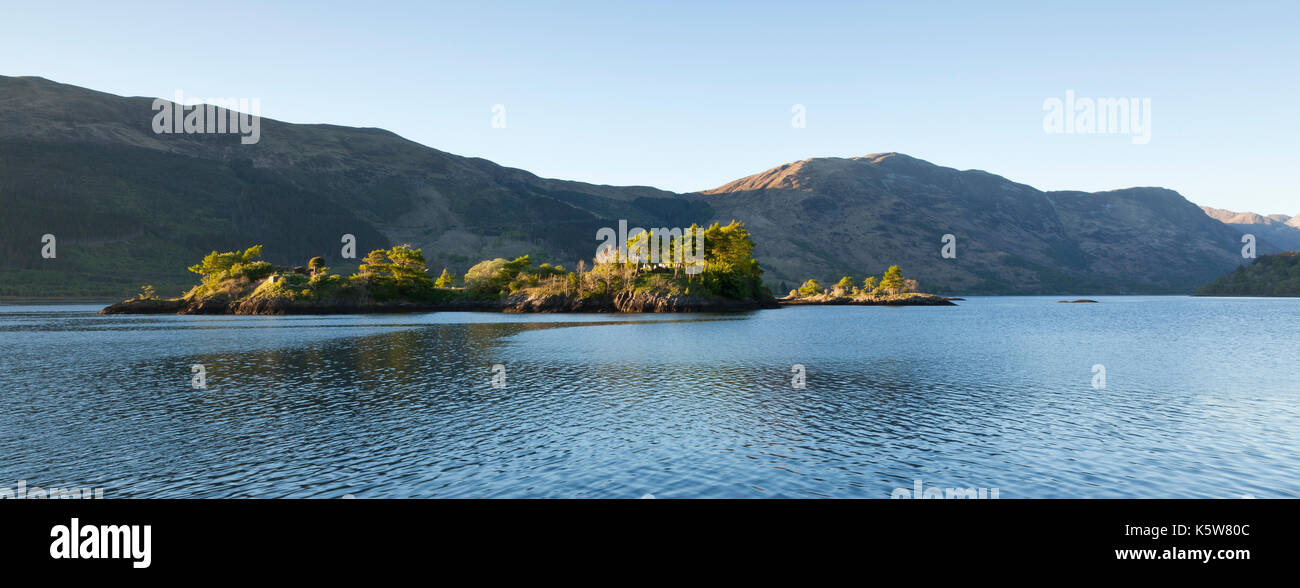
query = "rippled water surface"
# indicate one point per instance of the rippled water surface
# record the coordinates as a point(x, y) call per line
point(1202, 399)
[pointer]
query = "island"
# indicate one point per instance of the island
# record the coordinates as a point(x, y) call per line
point(725, 278)
point(1269, 275)
point(892, 289)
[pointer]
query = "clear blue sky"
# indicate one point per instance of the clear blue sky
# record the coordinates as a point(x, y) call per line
point(688, 96)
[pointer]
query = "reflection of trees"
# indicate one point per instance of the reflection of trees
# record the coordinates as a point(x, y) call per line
point(387, 370)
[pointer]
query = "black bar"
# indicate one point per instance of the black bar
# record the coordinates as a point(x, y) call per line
point(317, 536)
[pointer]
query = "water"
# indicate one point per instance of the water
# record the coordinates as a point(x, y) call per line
point(1202, 399)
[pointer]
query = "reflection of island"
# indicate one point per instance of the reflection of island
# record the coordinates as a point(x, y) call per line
point(892, 289)
point(396, 280)
point(1269, 275)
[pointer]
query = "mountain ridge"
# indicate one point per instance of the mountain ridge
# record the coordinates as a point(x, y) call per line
point(1280, 232)
point(130, 207)
point(1023, 240)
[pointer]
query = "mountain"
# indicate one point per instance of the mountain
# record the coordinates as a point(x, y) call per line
point(1278, 231)
point(1268, 275)
point(825, 217)
point(129, 206)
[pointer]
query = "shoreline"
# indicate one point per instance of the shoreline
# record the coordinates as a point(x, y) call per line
point(631, 303)
point(640, 303)
point(916, 299)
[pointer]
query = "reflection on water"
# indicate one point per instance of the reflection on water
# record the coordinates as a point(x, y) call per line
point(1201, 401)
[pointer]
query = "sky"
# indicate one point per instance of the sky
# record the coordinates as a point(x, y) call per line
point(688, 96)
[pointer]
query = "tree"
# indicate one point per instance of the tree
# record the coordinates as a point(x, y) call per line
point(216, 266)
point(408, 266)
point(810, 288)
point(547, 270)
point(483, 276)
point(446, 280)
point(893, 280)
point(397, 271)
point(375, 265)
point(317, 266)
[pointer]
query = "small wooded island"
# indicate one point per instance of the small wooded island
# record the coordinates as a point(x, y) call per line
point(726, 278)
point(892, 289)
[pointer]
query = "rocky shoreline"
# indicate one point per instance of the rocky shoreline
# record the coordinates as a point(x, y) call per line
point(907, 300)
point(625, 302)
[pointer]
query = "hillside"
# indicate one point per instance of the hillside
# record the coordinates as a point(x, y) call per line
point(1269, 275)
point(130, 207)
point(828, 217)
point(1274, 232)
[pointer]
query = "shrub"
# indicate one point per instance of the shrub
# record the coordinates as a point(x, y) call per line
point(810, 288)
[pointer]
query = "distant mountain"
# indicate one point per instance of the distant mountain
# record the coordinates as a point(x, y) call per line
point(1269, 275)
point(129, 206)
point(1279, 231)
point(829, 216)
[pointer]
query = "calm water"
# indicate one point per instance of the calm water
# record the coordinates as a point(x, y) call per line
point(1202, 399)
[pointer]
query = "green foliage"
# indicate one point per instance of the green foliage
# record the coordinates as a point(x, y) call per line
point(483, 276)
point(547, 270)
point(1268, 275)
point(730, 268)
point(398, 272)
point(375, 265)
point(892, 282)
point(446, 280)
point(408, 265)
point(498, 276)
point(220, 266)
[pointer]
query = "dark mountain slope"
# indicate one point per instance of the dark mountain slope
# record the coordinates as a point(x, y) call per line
point(130, 206)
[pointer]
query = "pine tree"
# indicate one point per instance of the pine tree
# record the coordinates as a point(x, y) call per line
point(446, 280)
point(893, 280)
